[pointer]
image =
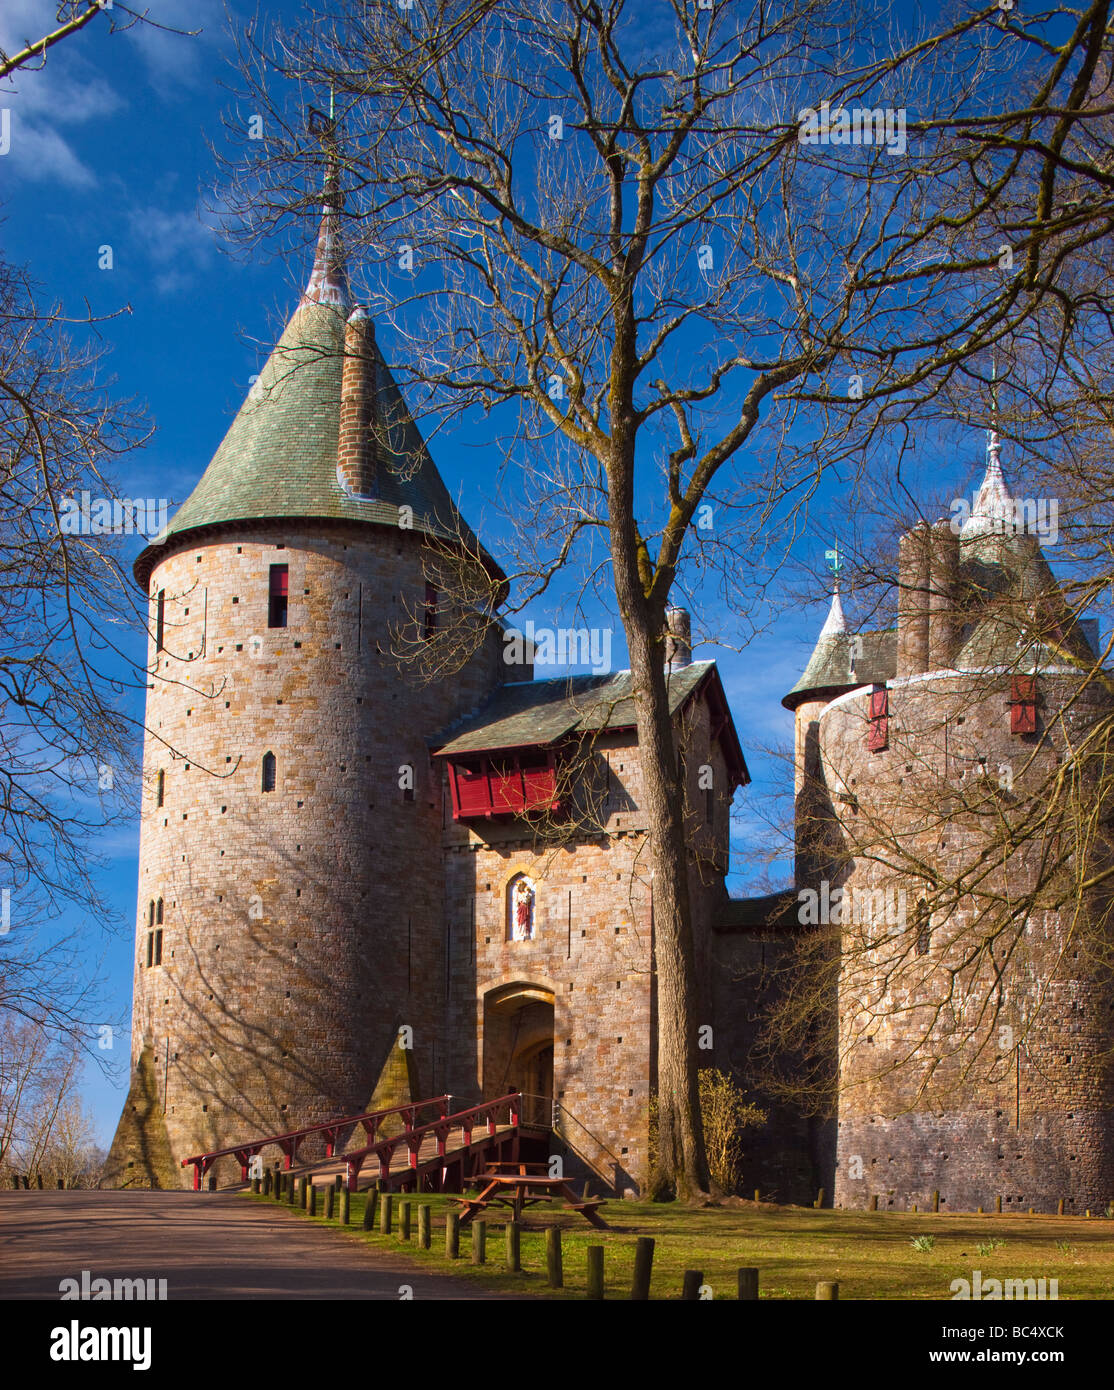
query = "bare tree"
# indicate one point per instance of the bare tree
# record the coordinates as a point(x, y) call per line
point(658, 252)
point(40, 1112)
point(68, 609)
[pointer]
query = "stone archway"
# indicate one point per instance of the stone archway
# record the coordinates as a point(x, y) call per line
point(518, 1041)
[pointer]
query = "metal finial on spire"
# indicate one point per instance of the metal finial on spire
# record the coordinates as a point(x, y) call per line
point(993, 459)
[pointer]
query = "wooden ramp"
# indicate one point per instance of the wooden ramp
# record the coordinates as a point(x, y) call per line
point(439, 1154)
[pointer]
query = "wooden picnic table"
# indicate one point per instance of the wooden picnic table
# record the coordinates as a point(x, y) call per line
point(521, 1188)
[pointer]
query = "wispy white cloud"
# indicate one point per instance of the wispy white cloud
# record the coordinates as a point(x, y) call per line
point(62, 89)
point(179, 243)
point(174, 53)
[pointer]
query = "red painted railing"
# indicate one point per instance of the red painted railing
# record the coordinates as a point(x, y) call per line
point(467, 1121)
point(332, 1129)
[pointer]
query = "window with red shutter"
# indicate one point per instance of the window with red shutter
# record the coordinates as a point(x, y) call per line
point(1023, 705)
point(879, 734)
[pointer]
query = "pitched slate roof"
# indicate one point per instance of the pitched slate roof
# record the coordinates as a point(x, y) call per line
point(540, 713)
point(279, 457)
point(772, 912)
point(1018, 614)
point(830, 670)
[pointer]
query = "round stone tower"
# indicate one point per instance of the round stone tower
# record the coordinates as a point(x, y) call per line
point(948, 803)
point(290, 915)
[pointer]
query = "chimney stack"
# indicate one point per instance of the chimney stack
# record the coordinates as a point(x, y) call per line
point(943, 618)
point(678, 639)
point(356, 445)
point(912, 600)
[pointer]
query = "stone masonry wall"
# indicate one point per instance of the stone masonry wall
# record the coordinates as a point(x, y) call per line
point(302, 926)
point(974, 1051)
point(591, 953)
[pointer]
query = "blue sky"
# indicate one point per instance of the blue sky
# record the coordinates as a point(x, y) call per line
point(108, 149)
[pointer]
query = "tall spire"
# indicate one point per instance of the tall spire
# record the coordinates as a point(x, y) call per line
point(993, 509)
point(328, 281)
point(835, 622)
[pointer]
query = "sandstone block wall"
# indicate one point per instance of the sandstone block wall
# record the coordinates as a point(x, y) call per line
point(302, 926)
point(974, 1059)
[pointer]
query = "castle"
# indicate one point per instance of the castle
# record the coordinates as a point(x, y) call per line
point(335, 857)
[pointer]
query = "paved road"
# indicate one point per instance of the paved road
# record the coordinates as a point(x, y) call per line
point(205, 1245)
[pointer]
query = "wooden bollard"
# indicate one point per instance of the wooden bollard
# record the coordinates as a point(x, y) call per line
point(212, 1182)
point(386, 1211)
point(757, 1195)
point(554, 1271)
point(257, 1185)
point(819, 1199)
point(302, 1199)
point(1032, 1211)
point(595, 1272)
point(513, 1232)
point(61, 1184)
point(290, 1193)
point(643, 1267)
point(914, 1206)
point(998, 1205)
point(979, 1211)
point(26, 1183)
point(874, 1201)
point(425, 1225)
point(15, 1181)
point(1060, 1207)
point(337, 1183)
point(266, 1182)
point(690, 1285)
point(312, 1200)
point(452, 1235)
point(330, 1201)
point(404, 1220)
point(936, 1201)
point(479, 1242)
point(345, 1205)
point(748, 1285)
point(370, 1208)
point(827, 1289)
point(39, 1180)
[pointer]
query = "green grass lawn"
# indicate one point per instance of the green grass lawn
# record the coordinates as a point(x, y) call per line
point(870, 1254)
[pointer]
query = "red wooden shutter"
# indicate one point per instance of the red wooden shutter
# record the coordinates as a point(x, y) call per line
point(1023, 705)
point(280, 581)
point(879, 735)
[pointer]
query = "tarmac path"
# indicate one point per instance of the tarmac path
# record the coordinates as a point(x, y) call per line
point(206, 1245)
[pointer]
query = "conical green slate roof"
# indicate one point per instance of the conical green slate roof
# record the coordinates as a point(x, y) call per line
point(279, 457)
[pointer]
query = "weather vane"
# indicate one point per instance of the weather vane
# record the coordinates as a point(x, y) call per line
point(835, 564)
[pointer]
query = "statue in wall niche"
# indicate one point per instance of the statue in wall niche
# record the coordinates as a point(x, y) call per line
point(522, 909)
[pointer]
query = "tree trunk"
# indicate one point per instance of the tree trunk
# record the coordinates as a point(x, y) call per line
point(681, 1166)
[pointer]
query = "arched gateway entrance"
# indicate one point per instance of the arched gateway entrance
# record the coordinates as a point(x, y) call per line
point(518, 1043)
